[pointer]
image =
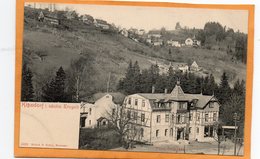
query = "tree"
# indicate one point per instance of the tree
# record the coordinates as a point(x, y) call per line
point(178, 26)
point(27, 86)
point(79, 78)
point(224, 90)
point(120, 121)
point(55, 90)
point(241, 49)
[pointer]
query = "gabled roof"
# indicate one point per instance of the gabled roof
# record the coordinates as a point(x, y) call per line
point(177, 94)
point(118, 97)
point(194, 64)
point(202, 99)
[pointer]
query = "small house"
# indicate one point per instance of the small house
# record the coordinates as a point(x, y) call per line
point(99, 23)
point(194, 66)
point(87, 19)
point(189, 42)
point(51, 18)
point(124, 32)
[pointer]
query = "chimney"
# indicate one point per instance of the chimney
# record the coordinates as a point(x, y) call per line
point(153, 89)
point(165, 91)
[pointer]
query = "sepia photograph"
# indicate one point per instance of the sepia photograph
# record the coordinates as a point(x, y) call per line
point(134, 78)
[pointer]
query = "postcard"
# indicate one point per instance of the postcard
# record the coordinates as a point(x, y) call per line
point(107, 79)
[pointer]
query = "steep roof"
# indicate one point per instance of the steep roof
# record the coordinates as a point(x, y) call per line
point(118, 97)
point(202, 99)
point(194, 64)
point(177, 94)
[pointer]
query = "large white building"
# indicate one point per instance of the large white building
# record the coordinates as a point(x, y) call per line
point(172, 116)
point(97, 113)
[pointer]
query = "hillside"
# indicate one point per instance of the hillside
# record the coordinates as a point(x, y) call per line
point(46, 48)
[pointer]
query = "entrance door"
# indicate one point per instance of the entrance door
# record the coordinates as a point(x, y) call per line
point(180, 133)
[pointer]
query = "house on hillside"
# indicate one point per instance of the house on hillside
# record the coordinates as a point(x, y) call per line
point(99, 23)
point(173, 43)
point(194, 66)
point(87, 19)
point(141, 32)
point(172, 116)
point(124, 32)
point(51, 18)
point(189, 42)
point(192, 42)
point(97, 111)
point(154, 34)
point(157, 42)
point(183, 67)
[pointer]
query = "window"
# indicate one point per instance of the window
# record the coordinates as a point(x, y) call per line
point(136, 102)
point(143, 103)
point(89, 122)
point(104, 123)
point(172, 118)
point(166, 118)
point(198, 130)
point(90, 110)
point(182, 118)
point(128, 114)
point(142, 117)
point(189, 129)
point(191, 116)
point(166, 132)
point(158, 119)
point(178, 119)
point(214, 116)
point(142, 132)
point(171, 131)
point(198, 116)
point(206, 117)
point(113, 111)
point(181, 105)
point(211, 104)
point(135, 115)
point(129, 100)
point(157, 133)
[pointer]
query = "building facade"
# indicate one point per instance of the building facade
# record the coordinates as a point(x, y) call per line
point(172, 116)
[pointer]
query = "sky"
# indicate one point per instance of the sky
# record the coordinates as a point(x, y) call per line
point(149, 18)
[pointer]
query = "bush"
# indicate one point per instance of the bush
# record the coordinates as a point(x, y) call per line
point(98, 139)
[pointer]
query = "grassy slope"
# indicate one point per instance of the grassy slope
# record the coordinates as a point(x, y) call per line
point(113, 52)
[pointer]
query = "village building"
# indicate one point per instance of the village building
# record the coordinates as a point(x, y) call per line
point(157, 42)
point(183, 67)
point(51, 18)
point(154, 34)
point(99, 23)
point(97, 111)
point(194, 66)
point(173, 43)
point(141, 32)
point(192, 42)
point(87, 19)
point(189, 42)
point(124, 32)
point(172, 116)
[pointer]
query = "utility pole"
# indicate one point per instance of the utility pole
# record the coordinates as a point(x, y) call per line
point(235, 135)
point(108, 82)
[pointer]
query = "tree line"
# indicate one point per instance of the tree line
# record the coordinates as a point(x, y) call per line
point(234, 43)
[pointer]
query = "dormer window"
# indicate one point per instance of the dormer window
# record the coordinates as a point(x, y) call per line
point(211, 104)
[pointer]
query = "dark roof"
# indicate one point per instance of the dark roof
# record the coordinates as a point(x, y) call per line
point(177, 94)
point(100, 21)
point(118, 97)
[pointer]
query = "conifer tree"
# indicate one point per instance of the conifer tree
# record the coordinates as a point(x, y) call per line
point(224, 91)
point(55, 90)
point(27, 86)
